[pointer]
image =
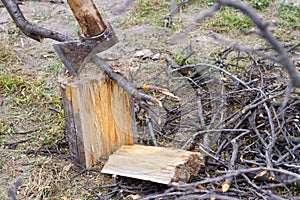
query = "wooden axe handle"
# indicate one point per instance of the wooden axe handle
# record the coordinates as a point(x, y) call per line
point(88, 17)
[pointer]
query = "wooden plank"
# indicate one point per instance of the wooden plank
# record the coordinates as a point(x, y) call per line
point(156, 164)
point(99, 115)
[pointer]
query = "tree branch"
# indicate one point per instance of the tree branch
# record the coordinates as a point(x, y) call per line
point(122, 82)
point(283, 58)
point(35, 32)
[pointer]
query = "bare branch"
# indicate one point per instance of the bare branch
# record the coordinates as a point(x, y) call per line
point(35, 32)
point(235, 150)
point(148, 122)
point(283, 58)
point(122, 82)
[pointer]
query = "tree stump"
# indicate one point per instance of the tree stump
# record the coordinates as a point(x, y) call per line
point(99, 115)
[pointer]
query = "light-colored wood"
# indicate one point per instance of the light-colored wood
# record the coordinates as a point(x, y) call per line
point(98, 113)
point(88, 17)
point(156, 164)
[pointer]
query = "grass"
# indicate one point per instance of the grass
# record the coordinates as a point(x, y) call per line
point(180, 56)
point(261, 5)
point(29, 101)
point(27, 104)
point(7, 54)
point(230, 21)
point(289, 15)
point(226, 21)
point(28, 98)
point(146, 12)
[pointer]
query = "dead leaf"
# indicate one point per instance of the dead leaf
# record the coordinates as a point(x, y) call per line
point(170, 94)
point(201, 187)
point(67, 168)
point(272, 178)
point(117, 71)
point(146, 53)
point(134, 196)
point(159, 121)
point(158, 102)
point(242, 158)
point(262, 173)
point(156, 56)
point(146, 87)
point(225, 186)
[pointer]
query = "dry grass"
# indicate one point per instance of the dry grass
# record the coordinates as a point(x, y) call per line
point(30, 103)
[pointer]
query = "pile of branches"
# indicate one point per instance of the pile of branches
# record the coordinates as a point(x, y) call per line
point(257, 154)
point(239, 114)
point(241, 111)
point(255, 150)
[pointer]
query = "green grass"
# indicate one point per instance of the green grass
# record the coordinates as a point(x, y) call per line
point(26, 100)
point(261, 5)
point(146, 12)
point(206, 2)
point(289, 15)
point(179, 56)
point(230, 21)
point(29, 101)
point(7, 55)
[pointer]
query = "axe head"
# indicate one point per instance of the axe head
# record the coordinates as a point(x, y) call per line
point(76, 53)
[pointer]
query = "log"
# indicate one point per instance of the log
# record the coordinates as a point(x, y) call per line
point(99, 115)
point(156, 164)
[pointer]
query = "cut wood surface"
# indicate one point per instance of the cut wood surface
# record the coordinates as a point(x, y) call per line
point(156, 164)
point(99, 116)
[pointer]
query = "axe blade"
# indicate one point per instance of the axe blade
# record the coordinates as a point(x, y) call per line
point(76, 53)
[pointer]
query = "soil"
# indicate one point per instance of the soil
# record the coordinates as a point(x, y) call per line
point(39, 174)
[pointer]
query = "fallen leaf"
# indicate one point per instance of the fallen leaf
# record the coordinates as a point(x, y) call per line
point(156, 56)
point(134, 196)
point(262, 173)
point(146, 53)
point(201, 187)
point(158, 102)
point(170, 94)
point(146, 87)
point(272, 178)
point(242, 158)
point(225, 186)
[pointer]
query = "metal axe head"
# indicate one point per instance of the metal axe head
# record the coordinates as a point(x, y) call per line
point(76, 53)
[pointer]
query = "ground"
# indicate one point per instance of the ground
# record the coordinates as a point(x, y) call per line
point(33, 147)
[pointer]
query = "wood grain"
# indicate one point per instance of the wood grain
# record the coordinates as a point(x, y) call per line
point(88, 17)
point(98, 113)
point(156, 164)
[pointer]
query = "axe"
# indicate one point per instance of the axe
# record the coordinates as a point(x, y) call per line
point(97, 37)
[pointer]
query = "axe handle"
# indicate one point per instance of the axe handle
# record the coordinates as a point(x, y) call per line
point(88, 17)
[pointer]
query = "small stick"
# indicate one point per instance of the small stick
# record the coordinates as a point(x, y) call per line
point(228, 180)
point(25, 132)
point(148, 122)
